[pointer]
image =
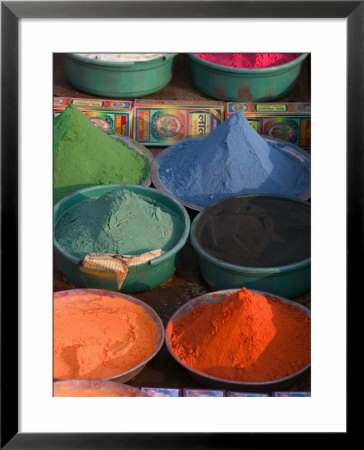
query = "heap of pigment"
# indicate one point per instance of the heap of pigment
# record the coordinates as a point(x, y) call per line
point(121, 57)
point(118, 222)
point(94, 388)
point(244, 337)
point(256, 231)
point(233, 159)
point(249, 60)
point(98, 336)
point(84, 155)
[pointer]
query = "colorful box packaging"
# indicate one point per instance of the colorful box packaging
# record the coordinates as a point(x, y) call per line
point(245, 394)
point(111, 116)
point(167, 122)
point(203, 393)
point(291, 394)
point(162, 392)
point(287, 121)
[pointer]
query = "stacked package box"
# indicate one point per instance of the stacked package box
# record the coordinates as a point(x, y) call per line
point(111, 116)
point(162, 392)
point(167, 122)
point(287, 121)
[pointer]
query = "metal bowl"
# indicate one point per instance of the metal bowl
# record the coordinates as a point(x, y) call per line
point(214, 382)
point(139, 148)
point(79, 388)
point(121, 377)
point(284, 146)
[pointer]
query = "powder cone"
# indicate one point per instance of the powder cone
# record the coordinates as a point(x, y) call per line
point(118, 222)
point(85, 156)
point(233, 159)
point(230, 333)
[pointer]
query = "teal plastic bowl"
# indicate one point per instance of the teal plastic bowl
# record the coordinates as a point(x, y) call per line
point(140, 278)
point(287, 281)
point(245, 85)
point(118, 79)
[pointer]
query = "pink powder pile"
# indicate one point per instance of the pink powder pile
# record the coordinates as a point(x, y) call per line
point(249, 60)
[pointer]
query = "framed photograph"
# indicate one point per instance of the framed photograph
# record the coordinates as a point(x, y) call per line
point(32, 33)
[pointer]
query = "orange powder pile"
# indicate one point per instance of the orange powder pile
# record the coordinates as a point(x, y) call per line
point(103, 392)
point(99, 336)
point(91, 388)
point(245, 337)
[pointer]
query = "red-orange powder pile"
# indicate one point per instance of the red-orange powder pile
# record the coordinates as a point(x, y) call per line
point(245, 337)
point(99, 336)
point(249, 60)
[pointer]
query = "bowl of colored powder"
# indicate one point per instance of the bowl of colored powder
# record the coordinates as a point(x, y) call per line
point(94, 388)
point(119, 75)
point(84, 155)
point(259, 241)
point(102, 335)
point(241, 339)
point(246, 77)
point(119, 237)
point(232, 159)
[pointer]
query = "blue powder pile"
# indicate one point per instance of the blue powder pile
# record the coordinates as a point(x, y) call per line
point(233, 159)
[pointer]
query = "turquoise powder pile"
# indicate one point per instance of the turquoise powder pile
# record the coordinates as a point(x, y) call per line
point(119, 222)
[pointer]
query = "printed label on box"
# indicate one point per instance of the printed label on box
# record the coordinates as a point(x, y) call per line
point(285, 129)
point(203, 393)
point(162, 392)
point(111, 116)
point(169, 122)
point(245, 394)
point(291, 394)
point(287, 121)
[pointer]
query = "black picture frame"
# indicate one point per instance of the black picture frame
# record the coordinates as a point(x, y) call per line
point(11, 12)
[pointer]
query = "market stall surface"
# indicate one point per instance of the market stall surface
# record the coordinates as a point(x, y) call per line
point(187, 281)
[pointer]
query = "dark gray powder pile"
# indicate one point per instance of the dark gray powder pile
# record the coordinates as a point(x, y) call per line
point(256, 231)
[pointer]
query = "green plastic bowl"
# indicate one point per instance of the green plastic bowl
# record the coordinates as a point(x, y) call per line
point(245, 85)
point(140, 278)
point(118, 79)
point(287, 281)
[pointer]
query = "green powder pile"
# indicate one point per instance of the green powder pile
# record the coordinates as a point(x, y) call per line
point(84, 155)
point(119, 222)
